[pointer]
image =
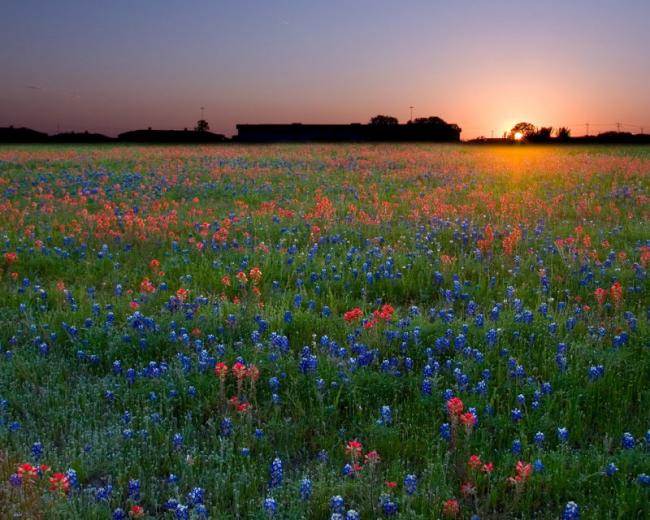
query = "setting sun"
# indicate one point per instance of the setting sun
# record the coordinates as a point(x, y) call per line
point(518, 136)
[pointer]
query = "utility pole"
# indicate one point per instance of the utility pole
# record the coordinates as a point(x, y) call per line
point(202, 112)
point(618, 127)
point(411, 107)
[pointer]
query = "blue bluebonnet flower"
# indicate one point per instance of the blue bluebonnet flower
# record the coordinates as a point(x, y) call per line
point(628, 441)
point(563, 434)
point(352, 515)
point(516, 414)
point(539, 438)
point(388, 505)
point(171, 504)
point(103, 493)
point(538, 466)
point(337, 504)
point(226, 427)
point(134, 489)
point(305, 489)
point(571, 511)
point(119, 514)
point(610, 469)
point(643, 479)
point(516, 446)
point(596, 372)
point(410, 484)
point(177, 441)
point(182, 512)
point(276, 472)
point(73, 480)
point(445, 431)
point(386, 416)
point(196, 496)
point(37, 450)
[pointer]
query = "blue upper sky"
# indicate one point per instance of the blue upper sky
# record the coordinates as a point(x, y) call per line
point(113, 66)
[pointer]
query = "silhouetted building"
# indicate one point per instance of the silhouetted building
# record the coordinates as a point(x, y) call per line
point(170, 136)
point(354, 132)
point(80, 137)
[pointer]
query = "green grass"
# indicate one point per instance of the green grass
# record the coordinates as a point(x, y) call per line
point(413, 217)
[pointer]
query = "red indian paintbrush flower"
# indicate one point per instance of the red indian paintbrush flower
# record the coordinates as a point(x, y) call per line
point(474, 462)
point(27, 471)
point(59, 482)
point(239, 370)
point(455, 406)
point(469, 420)
point(353, 314)
point(354, 448)
point(385, 313)
point(616, 291)
point(221, 370)
point(523, 472)
point(256, 274)
point(601, 295)
point(372, 457)
point(450, 508)
point(253, 373)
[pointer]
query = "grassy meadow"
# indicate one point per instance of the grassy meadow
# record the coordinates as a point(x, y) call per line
point(324, 331)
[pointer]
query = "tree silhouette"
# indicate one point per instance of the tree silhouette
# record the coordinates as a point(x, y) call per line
point(563, 133)
point(202, 126)
point(527, 130)
point(431, 120)
point(542, 135)
point(381, 120)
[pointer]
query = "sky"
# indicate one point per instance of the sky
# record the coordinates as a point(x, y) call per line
point(114, 66)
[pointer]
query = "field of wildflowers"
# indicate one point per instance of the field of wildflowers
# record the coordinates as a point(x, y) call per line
point(324, 331)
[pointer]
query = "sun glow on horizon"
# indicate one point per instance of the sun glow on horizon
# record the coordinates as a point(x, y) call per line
point(518, 136)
